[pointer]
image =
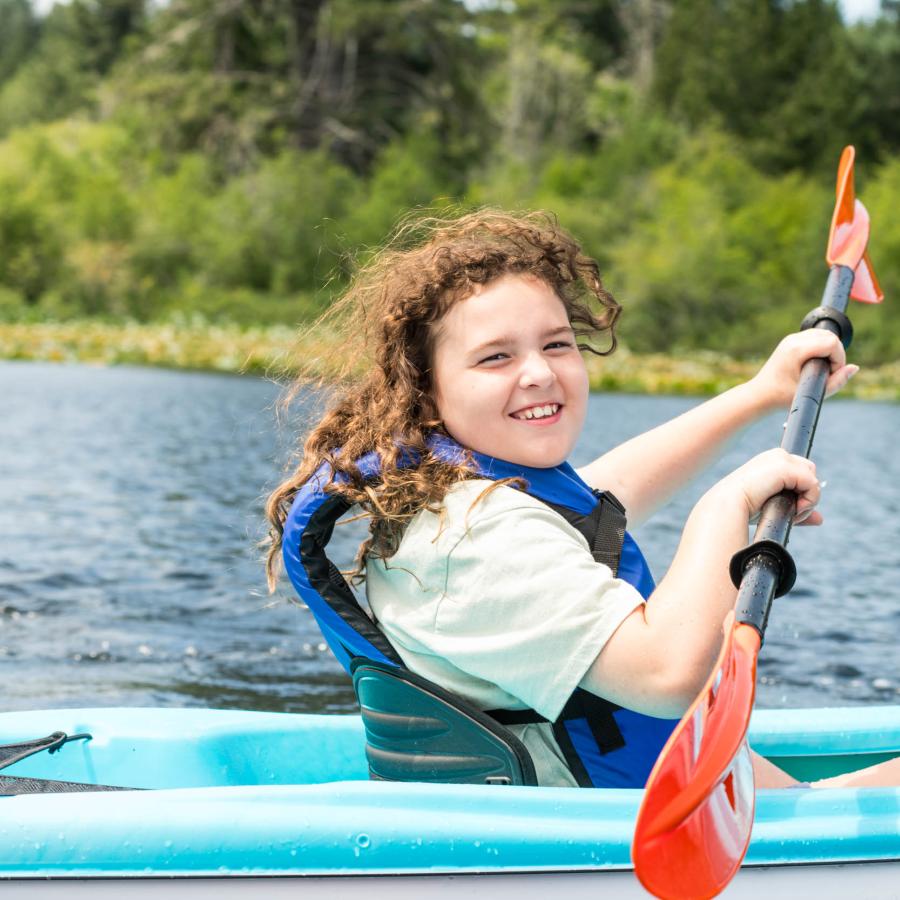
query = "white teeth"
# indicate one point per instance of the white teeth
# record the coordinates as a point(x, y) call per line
point(538, 412)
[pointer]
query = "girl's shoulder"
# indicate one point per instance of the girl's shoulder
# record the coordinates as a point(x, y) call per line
point(474, 508)
point(477, 500)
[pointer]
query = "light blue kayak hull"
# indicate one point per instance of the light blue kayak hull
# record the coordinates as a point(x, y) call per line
point(285, 799)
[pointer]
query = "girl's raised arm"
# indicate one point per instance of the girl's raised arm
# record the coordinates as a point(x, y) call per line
point(647, 470)
point(661, 655)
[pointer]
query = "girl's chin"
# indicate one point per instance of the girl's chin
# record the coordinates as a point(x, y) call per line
point(537, 449)
point(535, 457)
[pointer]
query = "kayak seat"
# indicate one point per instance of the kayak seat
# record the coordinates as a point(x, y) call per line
point(417, 731)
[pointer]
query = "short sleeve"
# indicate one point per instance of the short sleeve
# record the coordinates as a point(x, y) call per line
point(524, 605)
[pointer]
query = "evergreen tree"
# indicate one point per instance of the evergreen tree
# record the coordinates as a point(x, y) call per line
point(780, 76)
point(244, 78)
point(18, 35)
point(79, 42)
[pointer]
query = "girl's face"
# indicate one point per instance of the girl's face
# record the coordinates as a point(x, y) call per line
point(509, 380)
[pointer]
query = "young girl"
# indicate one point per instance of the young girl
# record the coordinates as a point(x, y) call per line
point(471, 331)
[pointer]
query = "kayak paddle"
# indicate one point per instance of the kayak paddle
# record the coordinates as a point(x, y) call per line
point(694, 824)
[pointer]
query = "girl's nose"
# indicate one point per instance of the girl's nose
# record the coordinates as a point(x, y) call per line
point(536, 372)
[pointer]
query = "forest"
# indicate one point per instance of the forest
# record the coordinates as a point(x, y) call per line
point(228, 162)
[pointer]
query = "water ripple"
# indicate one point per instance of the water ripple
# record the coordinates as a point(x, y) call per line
point(129, 573)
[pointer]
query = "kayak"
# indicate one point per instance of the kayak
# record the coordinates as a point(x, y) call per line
point(284, 801)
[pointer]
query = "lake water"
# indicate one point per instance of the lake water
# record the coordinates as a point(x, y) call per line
point(131, 500)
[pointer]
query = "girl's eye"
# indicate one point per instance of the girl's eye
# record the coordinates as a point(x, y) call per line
point(557, 345)
point(492, 358)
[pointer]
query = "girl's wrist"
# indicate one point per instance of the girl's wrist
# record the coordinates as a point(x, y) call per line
point(725, 496)
point(760, 397)
point(743, 404)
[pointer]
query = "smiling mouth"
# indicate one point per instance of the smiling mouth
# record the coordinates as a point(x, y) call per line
point(537, 412)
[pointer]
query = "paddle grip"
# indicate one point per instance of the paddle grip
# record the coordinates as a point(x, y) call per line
point(765, 569)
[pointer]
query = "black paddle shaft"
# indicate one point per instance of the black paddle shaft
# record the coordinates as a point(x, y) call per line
point(765, 570)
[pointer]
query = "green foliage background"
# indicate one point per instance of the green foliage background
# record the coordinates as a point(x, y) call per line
point(228, 160)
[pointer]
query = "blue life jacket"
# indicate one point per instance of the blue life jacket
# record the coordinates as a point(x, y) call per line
point(604, 744)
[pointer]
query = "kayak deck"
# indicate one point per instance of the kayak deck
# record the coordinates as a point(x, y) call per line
point(245, 793)
point(177, 748)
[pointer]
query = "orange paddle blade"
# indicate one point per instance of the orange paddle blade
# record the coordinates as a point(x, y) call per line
point(694, 824)
point(866, 288)
point(850, 233)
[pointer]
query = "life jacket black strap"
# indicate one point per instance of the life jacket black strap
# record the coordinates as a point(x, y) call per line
point(515, 716)
point(603, 528)
point(594, 710)
point(609, 534)
point(598, 714)
point(326, 578)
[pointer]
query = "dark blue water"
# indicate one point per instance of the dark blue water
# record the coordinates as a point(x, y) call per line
point(131, 501)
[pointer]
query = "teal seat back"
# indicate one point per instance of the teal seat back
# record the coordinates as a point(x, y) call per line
point(417, 731)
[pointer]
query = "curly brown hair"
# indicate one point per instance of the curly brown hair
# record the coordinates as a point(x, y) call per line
point(384, 398)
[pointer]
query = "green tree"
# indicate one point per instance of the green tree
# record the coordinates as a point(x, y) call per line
point(780, 76)
point(79, 42)
point(18, 35)
point(244, 79)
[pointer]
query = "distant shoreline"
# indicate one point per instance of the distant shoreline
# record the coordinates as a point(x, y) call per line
point(274, 351)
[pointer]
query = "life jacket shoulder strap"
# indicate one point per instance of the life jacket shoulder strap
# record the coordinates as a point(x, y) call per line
point(603, 528)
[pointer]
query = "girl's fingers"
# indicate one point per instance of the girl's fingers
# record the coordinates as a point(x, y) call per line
point(810, 517)
point(807, 501)
point(838, 379)
point(774, 471)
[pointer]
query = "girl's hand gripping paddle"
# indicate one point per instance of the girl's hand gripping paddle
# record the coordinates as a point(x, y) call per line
point(694, 824)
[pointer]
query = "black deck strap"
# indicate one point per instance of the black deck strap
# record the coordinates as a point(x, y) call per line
point(829, 313)
point(609, 515)
point(783, 559)
point(13, 753)
point(14, 786)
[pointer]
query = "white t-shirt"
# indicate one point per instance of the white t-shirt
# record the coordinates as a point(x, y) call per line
point(501, 602)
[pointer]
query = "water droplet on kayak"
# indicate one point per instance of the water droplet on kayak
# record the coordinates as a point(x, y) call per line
point(363, 840)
